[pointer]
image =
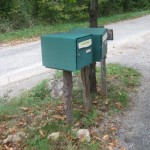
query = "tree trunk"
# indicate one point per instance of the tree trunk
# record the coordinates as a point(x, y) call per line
point(67, 89)
point(93, 13)
point(86, 87)
point(93, 22)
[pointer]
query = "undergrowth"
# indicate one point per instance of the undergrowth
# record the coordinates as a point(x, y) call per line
point(35, 112)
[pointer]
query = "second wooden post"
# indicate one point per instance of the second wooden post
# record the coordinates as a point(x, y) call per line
point(67, 77)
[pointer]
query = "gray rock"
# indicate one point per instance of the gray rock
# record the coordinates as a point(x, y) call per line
point(56, 89)
point(84, 135)
point(15, 138)
point(54, 136)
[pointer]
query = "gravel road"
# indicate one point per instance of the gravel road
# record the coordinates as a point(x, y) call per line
point(134, 133)
point(21, 68)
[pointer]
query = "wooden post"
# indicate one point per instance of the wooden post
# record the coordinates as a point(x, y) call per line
point(103, 75)
point(85, 73)
point(67, 77)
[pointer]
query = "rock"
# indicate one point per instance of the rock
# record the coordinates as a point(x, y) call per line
point(56, 88)
point(15, 138)
point(54, 136)
point(83, 135)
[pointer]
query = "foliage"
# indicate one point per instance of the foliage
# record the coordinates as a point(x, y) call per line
point(15, 14)
point(19, 14)
point(34, 32)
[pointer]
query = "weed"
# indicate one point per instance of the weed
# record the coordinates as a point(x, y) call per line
point(41, 110)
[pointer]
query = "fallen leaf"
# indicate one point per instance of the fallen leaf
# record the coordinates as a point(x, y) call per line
point(123, 148)
point(96, 97)
point(60, 107)
point(112, 144)
point(113, 129)
point(59, 117)
point(118, 104)
point(94, 102)
point(106, 137)
point(41, 133)
point(106, 102)
point(24, 108)
point(13, 130)
point(6, 147)
point(110, 148)
point(97, 138)
point(77, 124)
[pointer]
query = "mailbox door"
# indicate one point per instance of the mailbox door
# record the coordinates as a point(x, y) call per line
point(84, 52)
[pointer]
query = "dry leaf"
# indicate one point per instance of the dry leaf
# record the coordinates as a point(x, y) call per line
point(113, 129)
point(60, 107)
point(41, 133)
point(94, 102)
point(106, 102)
point(112, 144)
point(110, 148)
point(118, 104)
point(96, 97)
point(24, 108)
point(106, 137)
point(59, 117)
point(97, 138)
point(13, 130)
point(8, 148)
point(77, 124)
point(123, 148)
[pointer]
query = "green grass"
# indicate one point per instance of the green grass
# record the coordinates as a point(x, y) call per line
point(40, 29)
point(33, 98)
point(121, 81)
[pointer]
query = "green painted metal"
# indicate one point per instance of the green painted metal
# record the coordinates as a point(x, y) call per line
point(99, 37)
point(67, 51)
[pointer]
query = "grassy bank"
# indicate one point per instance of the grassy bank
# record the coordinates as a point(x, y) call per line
point(38, 115)
point(39, 29)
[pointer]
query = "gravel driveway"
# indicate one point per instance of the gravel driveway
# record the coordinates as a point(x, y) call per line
point(134, 133)
point(21, 69)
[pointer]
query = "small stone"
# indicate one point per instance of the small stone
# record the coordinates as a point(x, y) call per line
point(15, 138)
point(56, 88)
point(83, 135)
point(54, 136)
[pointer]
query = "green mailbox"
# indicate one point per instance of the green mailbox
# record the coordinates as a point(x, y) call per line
point(67, 51)
point(99, 37)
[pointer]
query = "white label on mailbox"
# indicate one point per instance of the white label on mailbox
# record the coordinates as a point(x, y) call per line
point(105, 37)
point(85, 44)
point(88, 51)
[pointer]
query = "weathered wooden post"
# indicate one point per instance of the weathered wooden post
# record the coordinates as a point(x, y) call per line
point(103, 75)
point(85, 73)
point(67, 89)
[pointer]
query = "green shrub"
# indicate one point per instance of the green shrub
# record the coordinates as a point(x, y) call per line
point(20, 14)
point(15, 14)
